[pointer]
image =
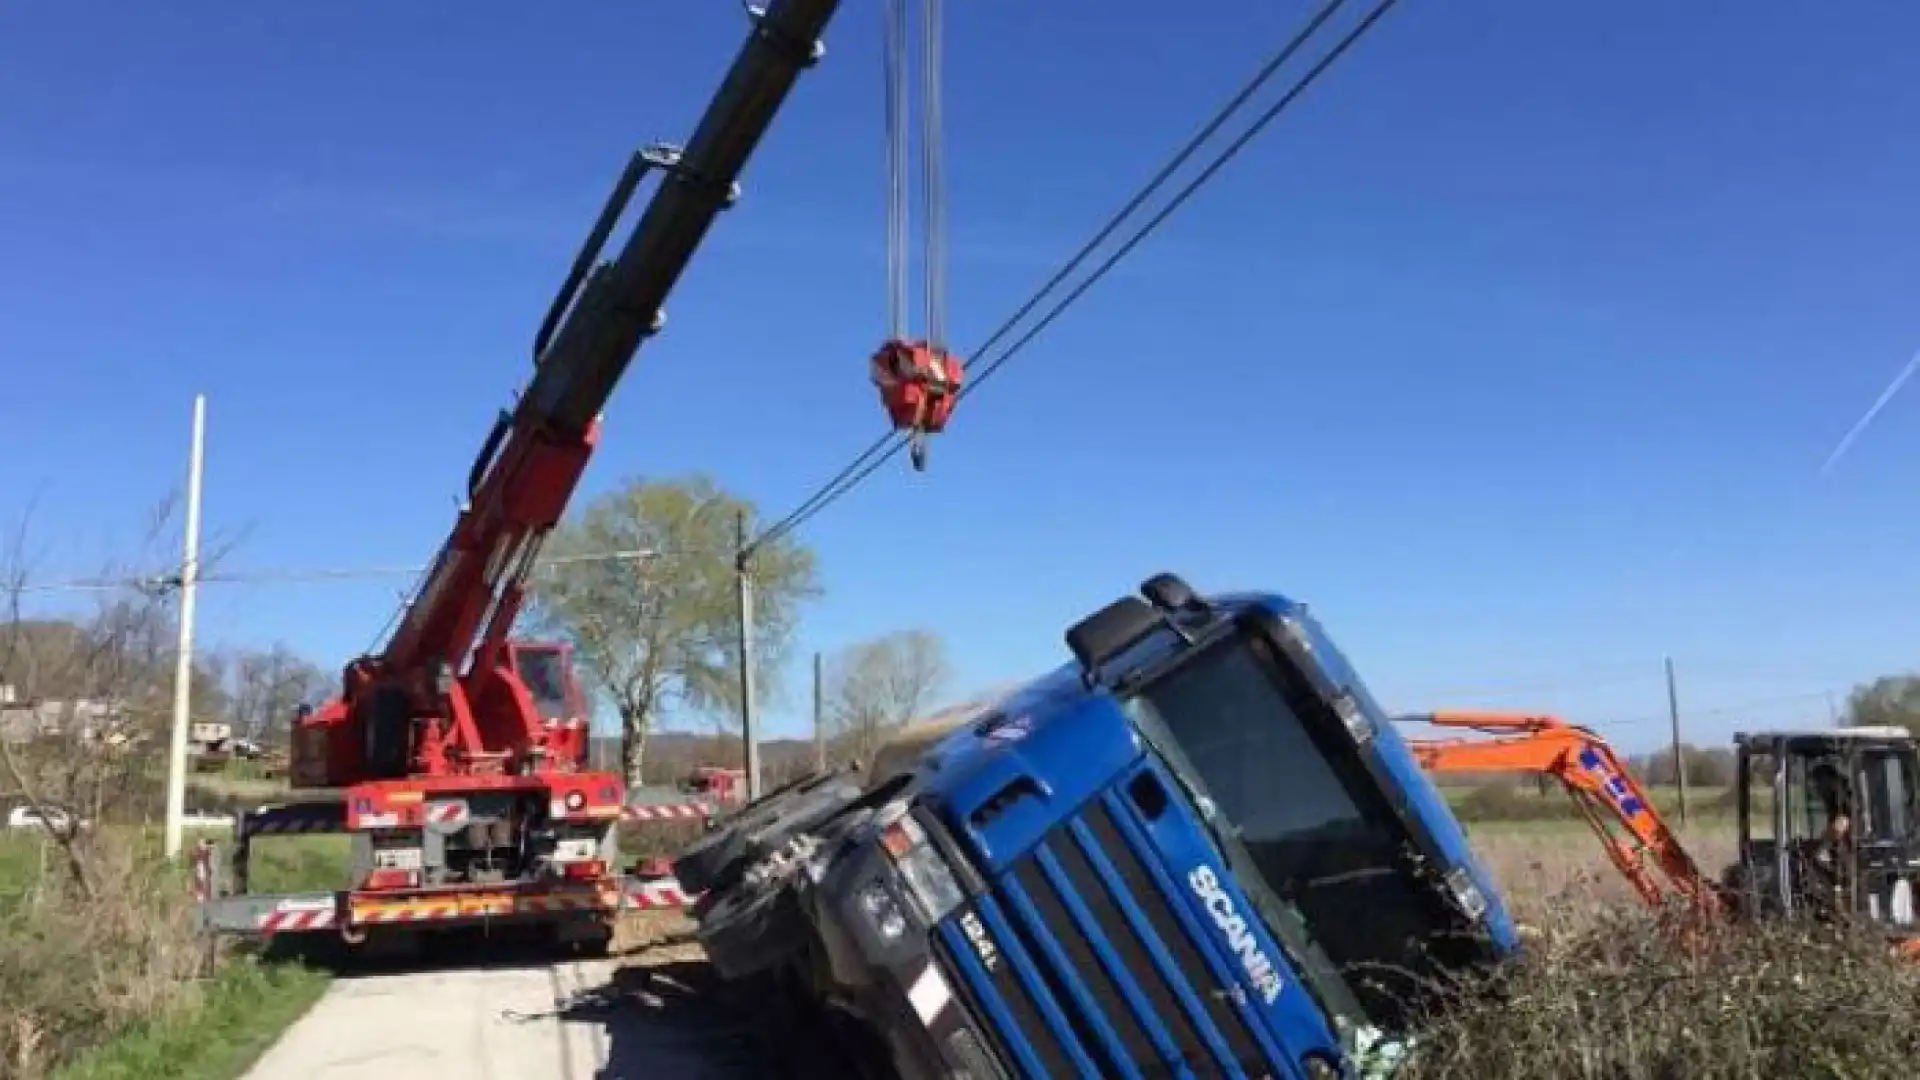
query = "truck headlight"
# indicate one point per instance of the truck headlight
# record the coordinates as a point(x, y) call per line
point(883, 910)
point(929, 880)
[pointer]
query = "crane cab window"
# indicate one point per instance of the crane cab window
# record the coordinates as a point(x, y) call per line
point(543, 668)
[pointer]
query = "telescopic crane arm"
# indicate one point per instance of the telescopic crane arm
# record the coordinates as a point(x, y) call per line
point(446, 654)
point(1644, 848)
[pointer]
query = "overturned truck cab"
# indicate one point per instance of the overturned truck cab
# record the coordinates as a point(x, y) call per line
point(1197, 849)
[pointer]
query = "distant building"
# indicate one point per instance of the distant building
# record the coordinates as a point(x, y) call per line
point(25, 721)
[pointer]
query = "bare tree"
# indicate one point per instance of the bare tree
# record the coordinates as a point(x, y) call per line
point(263, 687)
point(90, 694)
point(656, 633)
point(877, 686)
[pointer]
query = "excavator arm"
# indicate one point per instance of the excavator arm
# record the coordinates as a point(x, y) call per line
point(1636, 839)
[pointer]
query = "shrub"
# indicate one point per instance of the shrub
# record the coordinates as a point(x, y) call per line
point(1616, 998)
point(80, 969)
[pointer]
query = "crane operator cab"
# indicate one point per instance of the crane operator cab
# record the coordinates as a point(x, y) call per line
point(546, 670)
point(1828, 825)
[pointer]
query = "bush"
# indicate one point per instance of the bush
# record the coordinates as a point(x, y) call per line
point(1616, 998)
point(79, 969)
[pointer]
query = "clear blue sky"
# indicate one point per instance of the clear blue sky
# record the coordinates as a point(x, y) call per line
point(1515, 349)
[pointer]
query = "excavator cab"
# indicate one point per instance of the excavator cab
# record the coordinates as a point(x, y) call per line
point(1829, 825)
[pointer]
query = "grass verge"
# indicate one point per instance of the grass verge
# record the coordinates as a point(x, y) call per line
point(238, 1015)
point(100, 976)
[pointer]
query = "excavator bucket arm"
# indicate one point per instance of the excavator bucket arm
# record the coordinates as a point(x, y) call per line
point(1635, 837)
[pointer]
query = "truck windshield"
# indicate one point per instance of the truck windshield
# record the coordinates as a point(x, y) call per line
point(1222, 720)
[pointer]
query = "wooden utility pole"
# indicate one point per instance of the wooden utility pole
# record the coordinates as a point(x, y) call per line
point(743, 578)
point(1679, 759)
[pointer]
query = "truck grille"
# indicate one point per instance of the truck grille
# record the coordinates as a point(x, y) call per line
point(1076, 930)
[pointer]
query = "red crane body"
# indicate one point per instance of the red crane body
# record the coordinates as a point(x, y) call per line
point(455, 756)
point(449, 694)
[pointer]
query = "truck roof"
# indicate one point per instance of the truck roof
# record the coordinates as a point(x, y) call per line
point(1879, 732)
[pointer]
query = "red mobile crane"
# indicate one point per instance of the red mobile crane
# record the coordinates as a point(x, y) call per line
point(455, 757)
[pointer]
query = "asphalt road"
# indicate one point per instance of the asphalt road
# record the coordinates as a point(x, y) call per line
point(637, 1019)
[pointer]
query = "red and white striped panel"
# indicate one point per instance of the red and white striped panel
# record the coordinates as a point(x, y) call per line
point(660, 893)
point(451, 812)
point(294, 920)
point(405, 913)
point(665, 812)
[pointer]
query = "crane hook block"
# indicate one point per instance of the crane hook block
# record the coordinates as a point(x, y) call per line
point(919, 386)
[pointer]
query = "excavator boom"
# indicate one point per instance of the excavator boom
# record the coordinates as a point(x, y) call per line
point(1636, 838)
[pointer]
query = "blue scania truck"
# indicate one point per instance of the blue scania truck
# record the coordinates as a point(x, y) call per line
point(1197, 849)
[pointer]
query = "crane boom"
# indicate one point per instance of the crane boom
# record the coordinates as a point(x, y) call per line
point(448, 694)
point(529, 466)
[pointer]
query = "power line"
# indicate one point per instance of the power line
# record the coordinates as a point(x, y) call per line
point(889, 444)
point(1803, 698)
point(167, 580)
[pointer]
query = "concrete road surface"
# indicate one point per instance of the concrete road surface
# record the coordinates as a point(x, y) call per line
point(570, 1021)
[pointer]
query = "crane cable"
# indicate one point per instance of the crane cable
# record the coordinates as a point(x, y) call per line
point(933, 184)
point(893, 62)
point(891, 443)
point(913, 375)
point(933, 177)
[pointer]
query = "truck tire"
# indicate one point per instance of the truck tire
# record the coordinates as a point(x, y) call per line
point(716, 860)
point(749, 932)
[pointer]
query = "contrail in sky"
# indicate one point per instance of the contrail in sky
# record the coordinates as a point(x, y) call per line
point(1860, 425)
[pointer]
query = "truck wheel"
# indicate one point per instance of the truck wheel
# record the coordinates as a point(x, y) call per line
point(717, 859)
point(751, 931)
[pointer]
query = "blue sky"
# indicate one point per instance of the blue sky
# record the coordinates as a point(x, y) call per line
point(1515, 349)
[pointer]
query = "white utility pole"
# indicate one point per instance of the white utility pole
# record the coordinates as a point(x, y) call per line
point(183, 674)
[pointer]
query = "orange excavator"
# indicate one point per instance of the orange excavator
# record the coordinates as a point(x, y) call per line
point(1828, 819)
point(1636, 839)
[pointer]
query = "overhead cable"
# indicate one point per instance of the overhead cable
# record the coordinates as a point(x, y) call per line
point(170, 579)
point(890, 444)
